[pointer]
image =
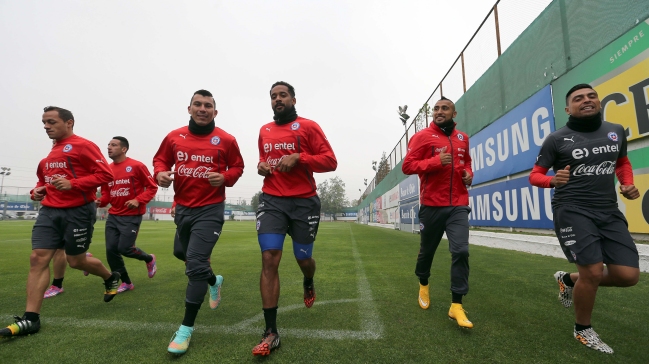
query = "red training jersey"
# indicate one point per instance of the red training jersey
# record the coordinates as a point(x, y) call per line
point(302, 136)
point(131, 181)
point(78, 160)
point(440, 185)
point(194, 156)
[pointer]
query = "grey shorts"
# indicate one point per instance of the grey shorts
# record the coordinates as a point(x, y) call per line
point(589, 236)
point(69, 228)
point(299, 217)
point(122, 229)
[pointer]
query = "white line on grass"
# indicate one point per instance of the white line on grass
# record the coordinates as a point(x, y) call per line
point(370, 322)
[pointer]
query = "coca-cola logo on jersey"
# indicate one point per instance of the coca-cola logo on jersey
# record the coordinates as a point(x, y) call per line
point(48, 179)
point(197, 172)
point(274, 161)
point(607, 167)
point(124, 191)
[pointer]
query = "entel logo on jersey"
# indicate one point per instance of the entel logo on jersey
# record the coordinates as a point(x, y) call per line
point(295, 126)
point(129, 168)
point(460, 136)
point(612, 136)
point(67, 148)
point(215, 140)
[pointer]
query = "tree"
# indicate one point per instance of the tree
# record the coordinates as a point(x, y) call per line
point(382, 169)
point(332, 196)
point(244, 203)
point(254, 201)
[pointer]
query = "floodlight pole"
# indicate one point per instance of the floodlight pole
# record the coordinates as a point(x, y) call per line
point(5, 171)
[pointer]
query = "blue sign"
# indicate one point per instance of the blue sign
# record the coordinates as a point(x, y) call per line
point(349, 214)
point(513, 203)
point(227, 212)
point(511, 143)
point(409, 211)
point(409, 188)
point(19, 206)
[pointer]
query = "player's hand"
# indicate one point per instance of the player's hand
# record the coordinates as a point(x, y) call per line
point(132, 204)
point(39, 193)
point(467, 178)
point(561, 178)
point(445, 158)
point(216, 179)
point(288, 162)
point(97, 202)
point(629, 191)
point(173, 212)
point(61, 184)
point(263, 169)
point(165, 179)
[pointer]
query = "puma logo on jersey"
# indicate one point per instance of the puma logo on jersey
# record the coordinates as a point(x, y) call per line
point(268, 129)
point(304, 251)
point(183, 135)
point(569, 139)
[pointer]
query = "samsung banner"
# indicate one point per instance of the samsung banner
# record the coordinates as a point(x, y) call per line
point(513, 203)
point(409, 188)
point(511, 143)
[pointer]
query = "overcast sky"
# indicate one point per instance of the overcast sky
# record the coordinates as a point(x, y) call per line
point(130, 67)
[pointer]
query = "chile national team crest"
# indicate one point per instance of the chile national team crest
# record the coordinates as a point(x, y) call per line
point(67, 148)
point(460, 136)
point(258, 224)
point(613, 136)
point(129, 168)
point(295, 126)
point(215, 140)
point(421, 226)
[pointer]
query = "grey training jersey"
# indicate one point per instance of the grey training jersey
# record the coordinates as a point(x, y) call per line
point(592, 157)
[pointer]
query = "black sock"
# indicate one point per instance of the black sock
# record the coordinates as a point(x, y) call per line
point(567, 281)
point(457, 298)
point(270, 315)
point(191, 311)
point(32, 316)
point(212, 280)
point(579, 327)
point(308, 282)
point(125, 278)
point(423, 281)
point(57, 282)
point(148, 258)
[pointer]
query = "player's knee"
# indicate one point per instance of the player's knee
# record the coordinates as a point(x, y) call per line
point(461, 252)
point(180, 255)
point(302, 251)
point(629, 279)
point(37, 260)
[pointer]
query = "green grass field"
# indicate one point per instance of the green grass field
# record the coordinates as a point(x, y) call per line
point(366, 309)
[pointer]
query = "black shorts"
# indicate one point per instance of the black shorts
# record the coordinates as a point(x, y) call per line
point(590, 236)
point(299, 217)
point(69, 228)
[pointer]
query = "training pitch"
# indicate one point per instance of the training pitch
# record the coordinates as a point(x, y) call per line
point(366, 309)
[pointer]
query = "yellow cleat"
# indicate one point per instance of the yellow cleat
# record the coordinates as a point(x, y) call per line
point(457, 313)
point(424, 298)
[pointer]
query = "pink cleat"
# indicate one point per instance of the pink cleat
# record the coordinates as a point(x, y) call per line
point(125, 287)
point(84, 272)
point(152, 267)
point(53, 291)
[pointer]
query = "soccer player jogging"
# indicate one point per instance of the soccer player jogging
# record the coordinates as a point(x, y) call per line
point(440, 156)
point(291, 149)
point(586, 155)
point(206, 160)
point(67, 185)
point(128, 193)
